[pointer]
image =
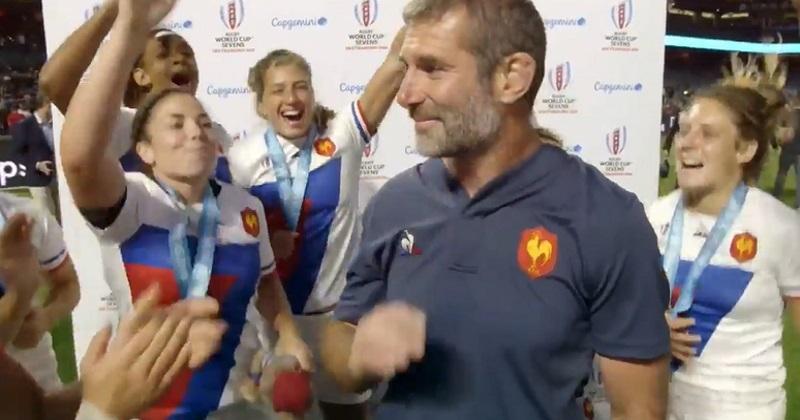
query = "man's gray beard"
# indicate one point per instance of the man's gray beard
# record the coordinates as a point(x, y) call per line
point(465, 132)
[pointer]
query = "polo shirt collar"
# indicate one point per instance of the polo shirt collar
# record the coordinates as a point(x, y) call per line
point(525, 179)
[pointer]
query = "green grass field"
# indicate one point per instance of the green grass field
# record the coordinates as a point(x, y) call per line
point(62, 335)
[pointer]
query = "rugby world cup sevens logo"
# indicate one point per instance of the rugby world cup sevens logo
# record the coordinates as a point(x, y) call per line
point(617, 140)
point(560, 76)
point(231, 13)
point(366, 12)
point(622, 14)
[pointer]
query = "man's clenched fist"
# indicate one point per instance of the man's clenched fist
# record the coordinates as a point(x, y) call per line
point(387, 341)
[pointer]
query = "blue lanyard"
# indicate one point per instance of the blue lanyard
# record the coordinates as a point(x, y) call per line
point(193, 279)
point(291, 190)
point(672, 254)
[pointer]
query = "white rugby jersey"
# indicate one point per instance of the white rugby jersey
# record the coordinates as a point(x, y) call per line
point(136, 253)
point(314, 276)
point(48, 241)
point(738, 306)
point(46, 236)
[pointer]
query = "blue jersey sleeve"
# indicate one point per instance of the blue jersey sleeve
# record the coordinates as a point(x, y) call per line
point(223, 171)
point(630, 292)
point(366, 280)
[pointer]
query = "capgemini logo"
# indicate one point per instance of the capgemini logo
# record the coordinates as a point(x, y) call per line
point(611, 88)
point(293, 23)
point(176, 25)
point(553, 23)
point(574, 149)
point(351, 89)
point(11, 169)
point(223, 92)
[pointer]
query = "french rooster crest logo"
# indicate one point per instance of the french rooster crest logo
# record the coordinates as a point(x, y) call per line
point(537, 252)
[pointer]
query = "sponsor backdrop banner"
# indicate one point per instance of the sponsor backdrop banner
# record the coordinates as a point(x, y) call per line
point(19, 171)
point(602, 90)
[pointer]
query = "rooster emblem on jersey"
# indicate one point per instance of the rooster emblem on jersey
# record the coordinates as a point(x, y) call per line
point(250, 222)
point(744, 247)
point(537, 252)
point(325, 147)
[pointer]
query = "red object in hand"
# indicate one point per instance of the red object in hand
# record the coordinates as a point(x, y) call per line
point(291, 392)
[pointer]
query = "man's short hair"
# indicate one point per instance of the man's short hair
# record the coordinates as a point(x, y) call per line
point(499, 28)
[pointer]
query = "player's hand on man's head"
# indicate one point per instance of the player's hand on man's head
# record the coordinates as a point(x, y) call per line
point(397, 42)
point(387, 340)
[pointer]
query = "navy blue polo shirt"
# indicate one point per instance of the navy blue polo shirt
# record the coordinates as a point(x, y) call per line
point(521, 284)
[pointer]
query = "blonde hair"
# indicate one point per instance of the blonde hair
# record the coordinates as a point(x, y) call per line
point(771, 74)
point(284, 57)
point(767, 75)
point(281, 57)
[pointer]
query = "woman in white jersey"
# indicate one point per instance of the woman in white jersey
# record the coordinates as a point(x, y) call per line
point(33, 347)
point(724, 247)
point(174, 226)
point(306, 174)
point(151, 343)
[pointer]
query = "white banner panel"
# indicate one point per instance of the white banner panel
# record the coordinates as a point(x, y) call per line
point(602, 90)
